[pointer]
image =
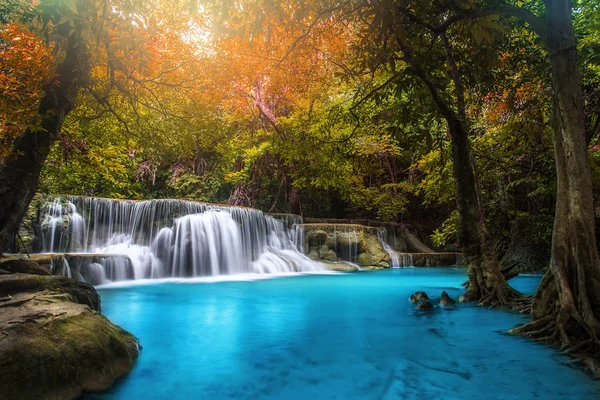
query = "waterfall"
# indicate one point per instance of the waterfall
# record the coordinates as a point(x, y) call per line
point(395, 259)
point(169, 238)
point(60, 266)
point(406, 260)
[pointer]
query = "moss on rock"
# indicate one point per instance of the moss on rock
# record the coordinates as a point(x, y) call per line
point(54, 345)
point(24, 266)
point(341, 267)
point(346, 242)
point(81, 292)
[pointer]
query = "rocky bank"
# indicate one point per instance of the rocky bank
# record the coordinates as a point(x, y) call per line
point(54, 343)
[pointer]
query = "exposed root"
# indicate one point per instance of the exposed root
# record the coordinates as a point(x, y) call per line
point(500, 297)
point(592, 365)
point(572, 336)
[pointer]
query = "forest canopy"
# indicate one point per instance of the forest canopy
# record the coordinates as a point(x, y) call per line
point(295, 106)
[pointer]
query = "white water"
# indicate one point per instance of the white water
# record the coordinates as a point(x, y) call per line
point(171, 239)
point(397, 260)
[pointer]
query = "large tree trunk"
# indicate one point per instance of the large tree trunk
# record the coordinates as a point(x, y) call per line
point(566, 306)
point(20, 171)
point(487, 284)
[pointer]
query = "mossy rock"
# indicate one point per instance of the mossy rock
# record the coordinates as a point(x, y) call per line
point(363, 260)
point(317, 236)
point(329, 255)
point(348, 242)
point(81, 291)
point(25, 266)
point(341, 267)
point(377, 253)
point(373, 268)
point(53, 345)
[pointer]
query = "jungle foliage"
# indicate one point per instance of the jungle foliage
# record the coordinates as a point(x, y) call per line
point(293, 106)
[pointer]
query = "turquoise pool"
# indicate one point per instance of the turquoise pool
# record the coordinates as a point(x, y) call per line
point(342, 336)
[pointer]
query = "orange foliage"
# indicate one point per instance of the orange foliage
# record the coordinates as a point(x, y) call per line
point(26, 66)
point(280, 64)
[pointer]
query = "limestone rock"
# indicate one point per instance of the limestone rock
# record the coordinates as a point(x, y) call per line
point(363, 260)
point(419, 296)
point(341, 267)
point(348, 242)
point(329, 255)
point(24, 266)
point(54, 345)
point(425, 306)
point(81, 292)
point(446, 300)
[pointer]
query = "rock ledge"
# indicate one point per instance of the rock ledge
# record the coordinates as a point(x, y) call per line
point(54, 343)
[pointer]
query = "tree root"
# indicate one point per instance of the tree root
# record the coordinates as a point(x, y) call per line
point(572, 337)
point(500, 297)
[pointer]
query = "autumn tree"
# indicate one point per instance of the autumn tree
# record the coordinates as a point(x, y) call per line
point(20, 168)
point(113, 53)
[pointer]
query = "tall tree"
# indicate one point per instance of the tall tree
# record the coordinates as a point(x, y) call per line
point(20, 169)
point(104, 47)
point(420, 39)
point(566, 306)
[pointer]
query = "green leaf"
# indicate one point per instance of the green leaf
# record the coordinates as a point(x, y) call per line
point(72, 5)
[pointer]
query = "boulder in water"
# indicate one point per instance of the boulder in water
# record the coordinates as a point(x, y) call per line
point(363, 260)
point(446, 300)
point(425, 306)
point(419, 296)
point(341, 267)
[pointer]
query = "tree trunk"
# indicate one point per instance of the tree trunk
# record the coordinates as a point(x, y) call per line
point(20, 171)
point(294, 201)
point(487, 285)
point(566, 306)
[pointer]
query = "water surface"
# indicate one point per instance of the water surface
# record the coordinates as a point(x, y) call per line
point(343, 336)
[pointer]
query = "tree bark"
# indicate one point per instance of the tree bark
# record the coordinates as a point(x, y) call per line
point(487, 284)
point(566, 306)
point(294, 201)
point(20, 170)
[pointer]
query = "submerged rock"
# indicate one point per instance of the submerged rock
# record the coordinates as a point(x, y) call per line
point(341, 267)
point(419, 296)
point(446, 300)
point(425, 306)
point(54, 343)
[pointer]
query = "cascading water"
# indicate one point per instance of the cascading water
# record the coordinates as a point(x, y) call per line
point(395, 258)
point(60, 266)
point(171, 238)
point(406, 260)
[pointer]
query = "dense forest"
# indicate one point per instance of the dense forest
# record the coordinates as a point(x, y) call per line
point(477, 121)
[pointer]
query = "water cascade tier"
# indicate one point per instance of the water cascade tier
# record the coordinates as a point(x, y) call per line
point(370, 247)
point(357, 244)
point(167, 238)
